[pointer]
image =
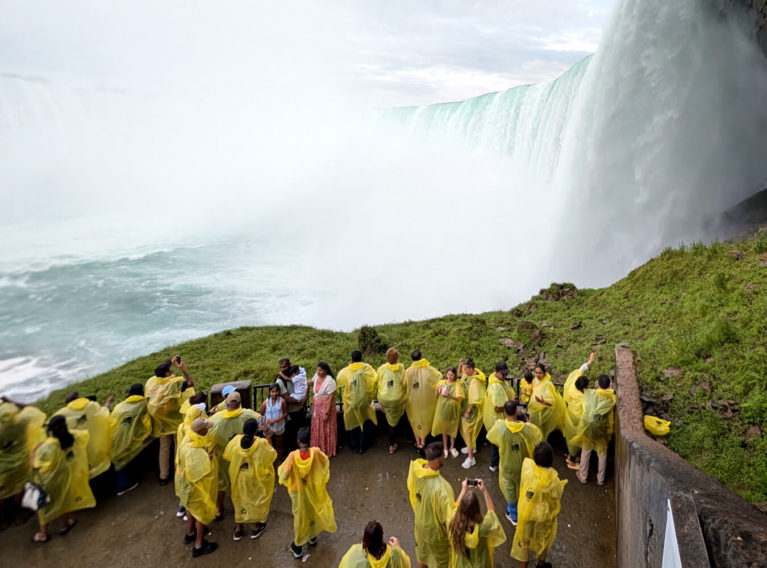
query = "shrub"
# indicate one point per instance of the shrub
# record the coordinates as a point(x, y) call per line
point(369, 342)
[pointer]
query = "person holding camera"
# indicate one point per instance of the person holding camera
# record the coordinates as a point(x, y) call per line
point(473, 537)
point(375, 552)
point(165, 393)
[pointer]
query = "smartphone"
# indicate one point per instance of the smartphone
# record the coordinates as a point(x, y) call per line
point(472, 482)
point(178, 360)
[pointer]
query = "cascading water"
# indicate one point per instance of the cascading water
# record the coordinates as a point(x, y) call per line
point(135, 222)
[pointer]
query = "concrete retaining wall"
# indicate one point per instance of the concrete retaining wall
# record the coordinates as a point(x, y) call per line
point(713, 526)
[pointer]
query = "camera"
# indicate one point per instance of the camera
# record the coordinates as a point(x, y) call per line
point(472, 482)
point(177, 360)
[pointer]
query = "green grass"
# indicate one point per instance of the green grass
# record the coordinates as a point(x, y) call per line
point(698, 309)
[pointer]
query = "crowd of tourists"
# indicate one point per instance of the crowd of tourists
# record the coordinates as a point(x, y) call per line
point(50, 464)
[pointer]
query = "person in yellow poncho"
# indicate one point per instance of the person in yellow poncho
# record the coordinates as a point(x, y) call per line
point(596, 428)
point(131, 432)
point(251, 475)
point(305, 474)
point(420, 381)
point(392, 393)
point(475, 384)
point(526, 388)
point(165, 394)
point(84, 414)
point(226, 425)
point(21, 430)
point(515, 440)
point(546, 408)
point(359, 382)
point(374, 552)
point(447, 416)
point(473, 537)
point(498, 392)
point(191, 412)
point(572, 394)
point(197, 483)
point(60, 465)
point(540, 499)
point(431, 497)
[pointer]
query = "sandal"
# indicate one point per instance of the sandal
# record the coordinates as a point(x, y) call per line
point(40, 538)
point(68, 528)
point(393, 448)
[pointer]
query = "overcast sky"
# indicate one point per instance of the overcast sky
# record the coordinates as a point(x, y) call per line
point(375, 53)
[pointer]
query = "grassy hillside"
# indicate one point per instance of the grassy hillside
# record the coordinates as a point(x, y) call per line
point(696, 317)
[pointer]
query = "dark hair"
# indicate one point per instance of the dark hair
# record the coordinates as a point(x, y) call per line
point(325, 367)
point(162, 369)
point(57, 427)
point(373, 541)
point(72, 396)
point(510, 407)
point(198, 397)
point(581, 383)
point(452, 368)
point(356, 356)
point(541, 366)
point(433, 451)
point(502, 367)
point(249, 430)
point(467, 512)
point(529, 376)
point(416, 355)
point(285, 361)
point(469, 362)
point(293, 370)
point(543, 455)
point(136, 389)
point(604, 381)
point(274, 386)
point(304, 436)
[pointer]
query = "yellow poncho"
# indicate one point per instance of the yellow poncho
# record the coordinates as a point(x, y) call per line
point(164, 396)
point(498, 393)
point(306, 480)
point(356, 557)
point(479, 543)
point(525, 390)
point(84, 414)
point(197, 476)
point(547, 418)
point(471, 426)
point(226, 425)
point(516, 441)
point(359, 382)
point(540, 499)
point(392, 393)
point(447, 416)
point(596, 426)
point(432, 498)
point(251, 475)
point(573, 399)
point(421, 379)
point(20, 432)
point(131, 428)
point(64, 474)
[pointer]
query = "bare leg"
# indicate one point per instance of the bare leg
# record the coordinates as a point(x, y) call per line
point(220, 502)
point(444, 442)
point(190, 526)
point(452, 443)
point(200, 528)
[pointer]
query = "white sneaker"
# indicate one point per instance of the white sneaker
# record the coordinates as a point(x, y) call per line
point(468, 462)
point(465, 450)
point(454, 452)
point(493, 468)
point(446, 453)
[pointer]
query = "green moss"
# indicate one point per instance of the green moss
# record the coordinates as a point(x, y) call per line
point(699, 309)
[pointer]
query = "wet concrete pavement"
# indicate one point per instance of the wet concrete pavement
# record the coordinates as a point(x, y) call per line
point(141, 529)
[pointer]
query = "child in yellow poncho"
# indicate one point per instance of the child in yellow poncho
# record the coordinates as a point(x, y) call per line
point(374, 552)
point(305, 474)
point(498, 392)
point(515, 441)
point(251, 475)
point(392, 393)
point(540, 499)
point(131, 432)
point(60, 465)
point(84, 414)
point(197, 483)
point(420, 380)
point(475, 384)
point(596, 428)
point(431, 497)
point(21, 430)
point(546, 408)
point(473, 537)
point(447, 416)
point(526, 388)
point(359, 382)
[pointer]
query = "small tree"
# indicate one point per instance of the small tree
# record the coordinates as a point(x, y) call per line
point(369, 342)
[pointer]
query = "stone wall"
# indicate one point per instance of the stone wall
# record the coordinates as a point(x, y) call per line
point(713, 525)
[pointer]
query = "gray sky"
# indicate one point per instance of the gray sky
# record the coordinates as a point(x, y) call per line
point(379, 52)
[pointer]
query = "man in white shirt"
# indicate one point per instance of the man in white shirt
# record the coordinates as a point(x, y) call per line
point(293, 388)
